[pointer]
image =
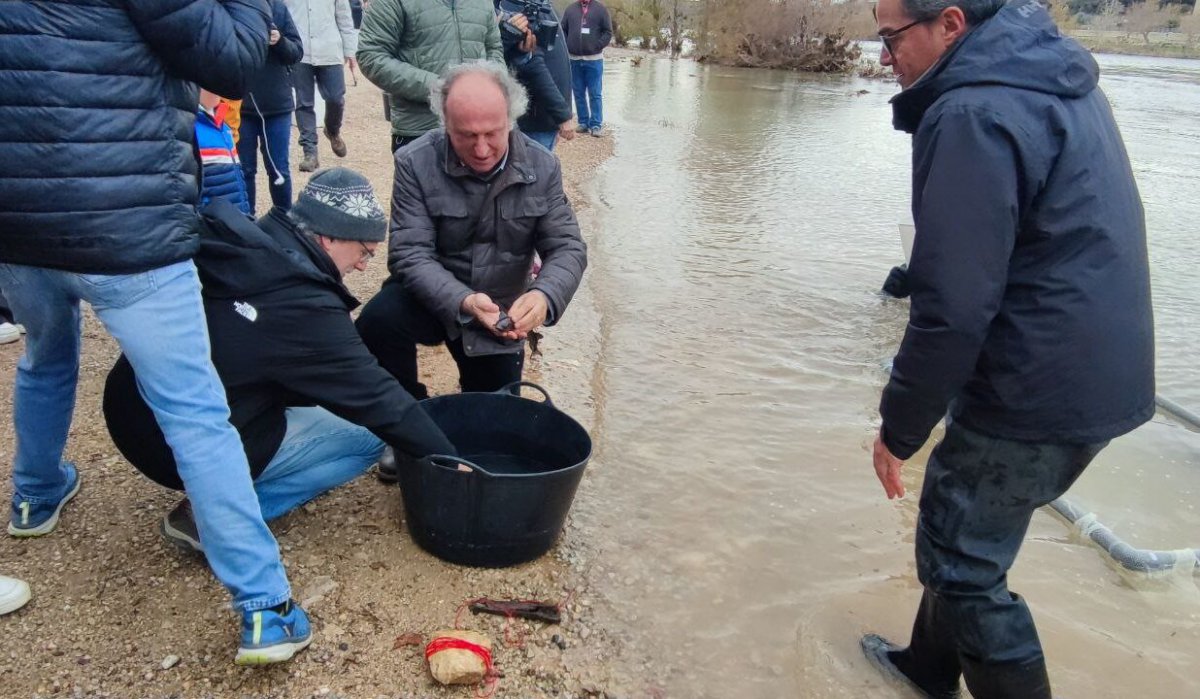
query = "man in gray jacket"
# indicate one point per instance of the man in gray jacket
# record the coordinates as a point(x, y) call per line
point(472, 202)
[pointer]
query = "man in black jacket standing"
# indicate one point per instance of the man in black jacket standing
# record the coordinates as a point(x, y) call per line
point(312, 406)
point(97, 106)
point(1031, 319)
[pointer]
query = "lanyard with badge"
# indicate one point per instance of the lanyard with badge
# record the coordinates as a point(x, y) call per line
point(583, 26)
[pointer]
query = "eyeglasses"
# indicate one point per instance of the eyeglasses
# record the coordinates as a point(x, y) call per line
point(887, 39)
point(366, 253)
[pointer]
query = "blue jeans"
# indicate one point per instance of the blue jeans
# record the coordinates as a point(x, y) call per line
point(546, 138)
point(270, 136)
point(587, 80)
point(158, 320)
point(319, 452)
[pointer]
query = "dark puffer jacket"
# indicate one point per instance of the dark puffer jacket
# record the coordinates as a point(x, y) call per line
point(97, 106)
point(1030, 283)
point(270, 92)
point(546, 75)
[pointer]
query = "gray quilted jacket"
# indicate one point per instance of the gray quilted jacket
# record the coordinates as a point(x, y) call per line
point(453, 234)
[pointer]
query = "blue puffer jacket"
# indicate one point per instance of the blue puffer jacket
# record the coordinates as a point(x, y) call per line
point(1031, 314)
point(221, 172)
point(97, 106)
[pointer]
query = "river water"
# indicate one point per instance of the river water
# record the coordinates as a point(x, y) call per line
point(732, 340)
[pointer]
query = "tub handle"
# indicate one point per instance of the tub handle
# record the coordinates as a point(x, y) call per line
point(450, 463)
point(514, 389)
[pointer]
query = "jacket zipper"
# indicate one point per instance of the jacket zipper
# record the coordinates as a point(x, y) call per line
point(458, 30)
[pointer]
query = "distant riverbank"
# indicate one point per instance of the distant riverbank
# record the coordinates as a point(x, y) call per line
point(1164, 44)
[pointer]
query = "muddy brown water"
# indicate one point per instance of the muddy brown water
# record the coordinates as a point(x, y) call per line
point(733, 340)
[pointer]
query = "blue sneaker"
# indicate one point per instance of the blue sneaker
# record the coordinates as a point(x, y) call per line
point(271, 637)
point(36, 519)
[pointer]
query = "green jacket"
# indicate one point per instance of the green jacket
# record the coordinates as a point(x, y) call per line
point(406, 45)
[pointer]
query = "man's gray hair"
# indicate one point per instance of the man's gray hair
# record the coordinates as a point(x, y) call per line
point(974, 10)
point(303, 228)
point(514, 93)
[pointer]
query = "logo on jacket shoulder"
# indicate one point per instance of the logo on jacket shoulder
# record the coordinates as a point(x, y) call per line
point(1029, 8)
point(246, 311)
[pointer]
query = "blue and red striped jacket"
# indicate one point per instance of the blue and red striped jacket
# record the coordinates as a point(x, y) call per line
point(221, 176)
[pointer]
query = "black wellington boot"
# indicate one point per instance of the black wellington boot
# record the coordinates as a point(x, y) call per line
point(930, 663)
point(889, 658)
point(1008, 681)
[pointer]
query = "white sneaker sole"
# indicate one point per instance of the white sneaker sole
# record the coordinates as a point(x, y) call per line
point(180, 539)
point(274, 654)
point(49, 525)
point(16, 599)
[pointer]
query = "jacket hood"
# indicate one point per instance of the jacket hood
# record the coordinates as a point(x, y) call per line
point(1019, 46)
point(239, 257)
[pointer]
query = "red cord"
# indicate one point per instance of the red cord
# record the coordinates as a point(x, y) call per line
point(490, 675)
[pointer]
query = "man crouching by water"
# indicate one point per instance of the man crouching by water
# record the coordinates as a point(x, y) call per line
point(1030, 319)
point(471, 204)
point(312, 406)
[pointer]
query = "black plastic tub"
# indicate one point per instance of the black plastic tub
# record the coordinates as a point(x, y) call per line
point(526, 458)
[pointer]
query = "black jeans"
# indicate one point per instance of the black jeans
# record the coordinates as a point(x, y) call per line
point(976, 503)
point(331, 81)
point(394, 322)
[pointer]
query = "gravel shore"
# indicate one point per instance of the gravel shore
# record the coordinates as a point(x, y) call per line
point(117, 612)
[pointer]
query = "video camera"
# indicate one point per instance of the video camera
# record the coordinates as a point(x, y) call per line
point(542, 23)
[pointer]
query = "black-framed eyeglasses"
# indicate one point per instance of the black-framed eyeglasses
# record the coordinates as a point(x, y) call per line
point(366, 252)
point(887, 39)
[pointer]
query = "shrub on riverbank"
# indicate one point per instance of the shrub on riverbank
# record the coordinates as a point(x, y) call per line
point(808, 35)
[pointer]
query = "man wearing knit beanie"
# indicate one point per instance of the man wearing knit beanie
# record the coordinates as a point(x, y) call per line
point(313, 407)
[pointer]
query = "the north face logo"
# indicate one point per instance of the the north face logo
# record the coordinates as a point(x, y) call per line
point(246, 311)
point(1028, 9)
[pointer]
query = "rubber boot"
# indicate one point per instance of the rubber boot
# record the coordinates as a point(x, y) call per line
point(390, 464)
point(930, 663)
point(387, 472)
point(887, 657)
point(1026, 680)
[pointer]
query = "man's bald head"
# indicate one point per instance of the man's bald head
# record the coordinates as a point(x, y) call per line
point(483, 80)
point(473, 96)
point(478, 103)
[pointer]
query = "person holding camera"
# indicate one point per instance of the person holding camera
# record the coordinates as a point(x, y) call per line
point(536, 54)
point(406, 45)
